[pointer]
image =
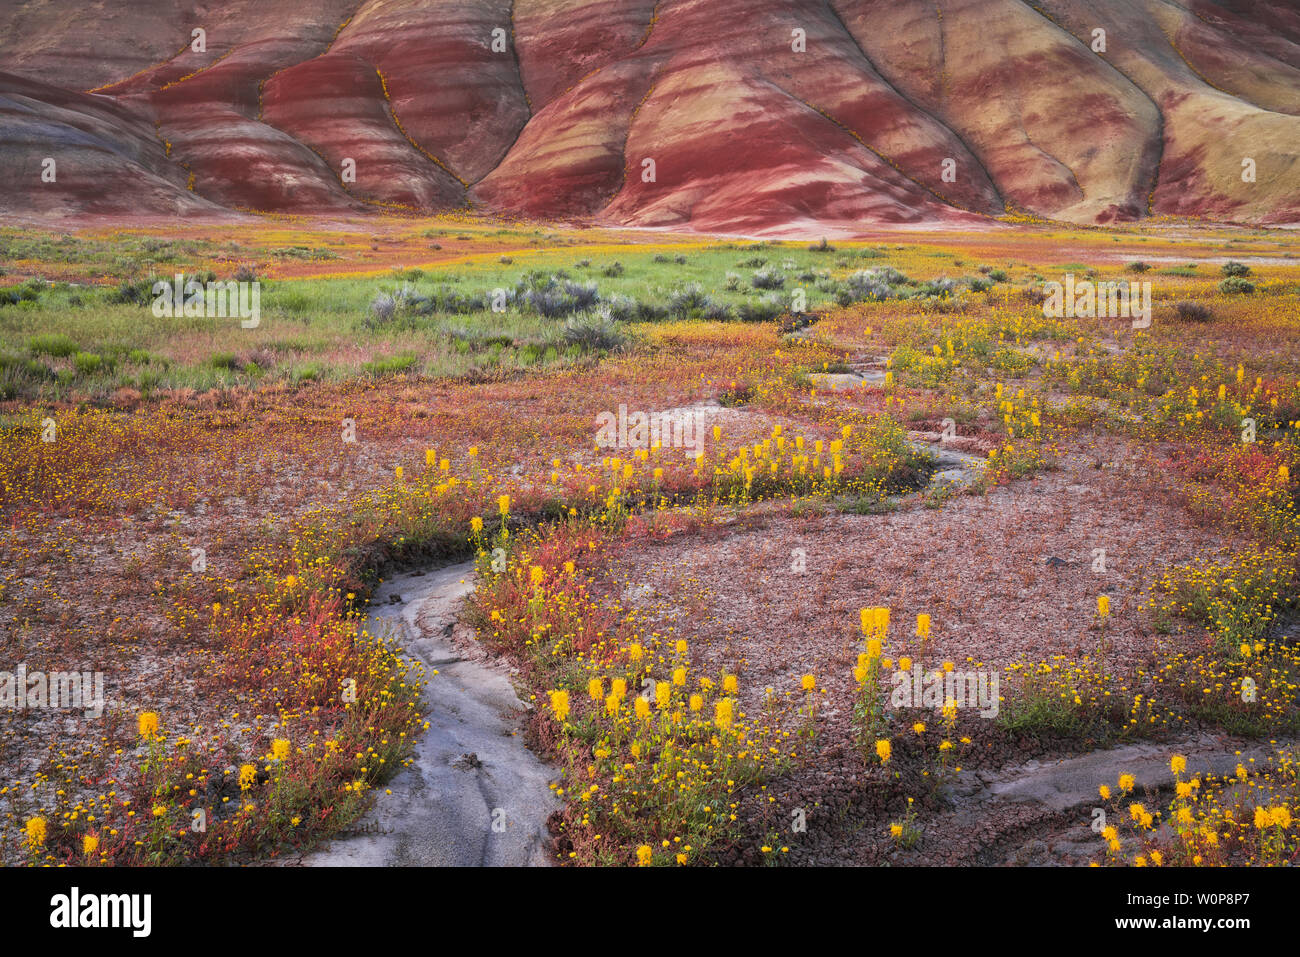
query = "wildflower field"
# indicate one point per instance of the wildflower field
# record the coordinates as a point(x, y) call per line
point(936, 577)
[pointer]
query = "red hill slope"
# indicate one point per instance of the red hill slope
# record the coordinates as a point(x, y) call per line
point(754, 116)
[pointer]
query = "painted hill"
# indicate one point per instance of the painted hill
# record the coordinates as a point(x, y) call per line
point(752, 116)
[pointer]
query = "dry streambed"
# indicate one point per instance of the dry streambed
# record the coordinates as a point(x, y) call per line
point(1061, 797)
point(473, 795)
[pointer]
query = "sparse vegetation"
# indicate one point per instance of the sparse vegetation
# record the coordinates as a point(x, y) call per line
point(472, 390)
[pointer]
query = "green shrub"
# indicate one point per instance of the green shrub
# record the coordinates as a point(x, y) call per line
point(27, 292)
point(20, 378)
point(1235, 285)
point(224, 360)
point(54, 344)
point(135, 293)
point(148, 380)
point(87, 363)
point(765, 310)
point(390, 365)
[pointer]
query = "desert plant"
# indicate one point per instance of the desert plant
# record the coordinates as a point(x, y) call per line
point(620, 308)
point(87, 363)
point(389, 365)
point(54, 344)
point(27, 292)
point(867, 284)
point(224, 360)
point(555, 296)
point(1192, 311)
point(765, 310)
point(689, 302)
point(716, 311)
point(593, 334)
point(383, 308)
point(940, 288)
point(1235, 285)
